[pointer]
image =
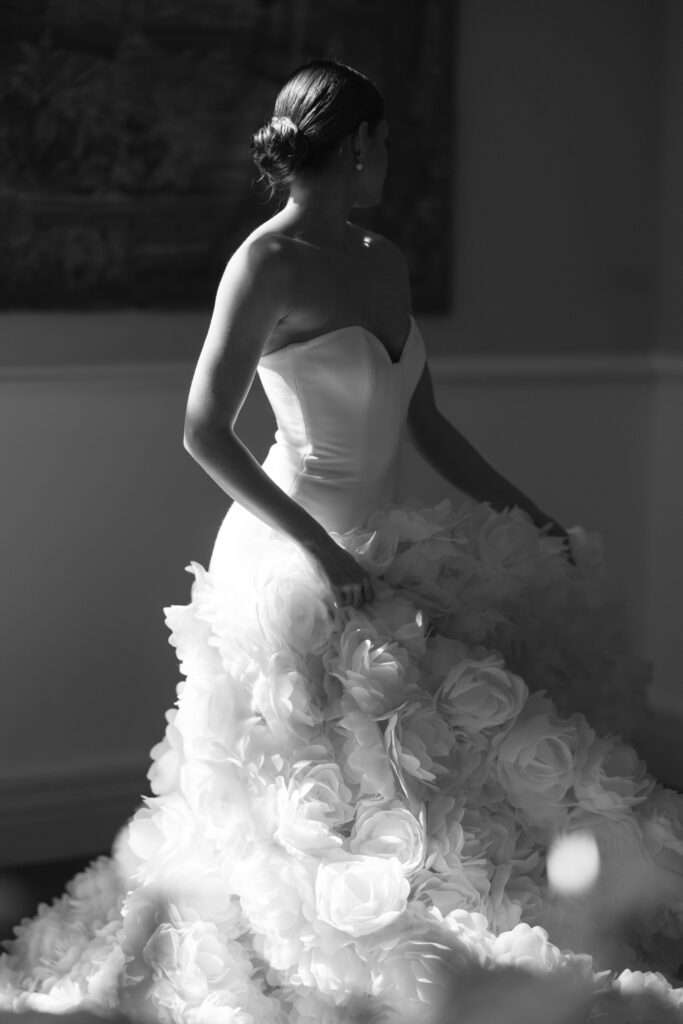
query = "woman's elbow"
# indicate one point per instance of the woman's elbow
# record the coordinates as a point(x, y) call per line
point(200, 437)
point(190, 437)
point(195, 437)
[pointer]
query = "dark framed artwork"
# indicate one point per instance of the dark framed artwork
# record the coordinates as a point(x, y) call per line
point(125, 173)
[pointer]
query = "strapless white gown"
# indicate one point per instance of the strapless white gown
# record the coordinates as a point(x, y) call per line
point(341, 793)
point(340, 405)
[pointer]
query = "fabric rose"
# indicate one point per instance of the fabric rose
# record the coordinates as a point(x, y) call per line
point(144, 838)
point(444, 831)
point(322, 785)
point(480, 693)
point(472, 928)
point(527, 947)
point(508, 545)
point(144, 909)
point(636, 983)
point(333, 965)
point(489, 835)
point(101, 967)
point(441, 654)
point(530, 897)
point(162, 844)
point(195, 959)
point(461, 887)
point(363, 758)
point(423, 567)
point(64, 995)
point(534, 760)
point(474, 612)
point(502, 910)
point(391, 831)
point(375, 671)
point(610, 777)
point(373, 549)
point(167, 757)
point(468, 768)
point(75, 964)
point(212, 714)
point(281, 693)
point(291, 606)
point(412, 975)
point(401, 619)
point(412, 523)
point(226, 1006)
point(311, 1007)
point(196, 890)
point(362, 894)
point(277, 894)
point(95, 893)
point(414, 738)
point(53, 941)
point(300, 825)
point(190, 634)
point(218, 794)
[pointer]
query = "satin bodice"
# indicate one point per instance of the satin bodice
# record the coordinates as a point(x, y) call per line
point(340, 405)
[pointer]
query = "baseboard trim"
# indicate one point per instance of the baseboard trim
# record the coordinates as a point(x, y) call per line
point(77, 813)
point(598, 368)
point(601, 368)
point(68, 814)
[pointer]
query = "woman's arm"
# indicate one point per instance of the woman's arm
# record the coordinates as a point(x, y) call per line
point(252, 297)
point(458, 462)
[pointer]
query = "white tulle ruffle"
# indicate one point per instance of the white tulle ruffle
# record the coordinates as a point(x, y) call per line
point(345, 800)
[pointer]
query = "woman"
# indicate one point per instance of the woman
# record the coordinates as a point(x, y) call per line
point(357, 786)
point(304, 276)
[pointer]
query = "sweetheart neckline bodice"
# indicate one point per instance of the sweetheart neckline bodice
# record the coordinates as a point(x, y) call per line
point(341, 330)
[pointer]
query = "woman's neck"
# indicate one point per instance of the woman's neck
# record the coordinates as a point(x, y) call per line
point(318, 215)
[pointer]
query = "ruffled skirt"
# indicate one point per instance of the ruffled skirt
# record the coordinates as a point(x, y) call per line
point(355, 810)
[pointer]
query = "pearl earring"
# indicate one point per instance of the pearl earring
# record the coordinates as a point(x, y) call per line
point(359, 166)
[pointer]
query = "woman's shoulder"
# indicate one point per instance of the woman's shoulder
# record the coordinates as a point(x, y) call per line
point(378, 243)
point(268, 255)
point(265, 245)
point(390, 258)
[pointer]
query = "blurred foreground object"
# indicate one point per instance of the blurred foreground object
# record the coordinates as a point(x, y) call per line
point(573, 863)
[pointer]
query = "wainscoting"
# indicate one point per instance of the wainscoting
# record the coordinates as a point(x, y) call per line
point(103, 508)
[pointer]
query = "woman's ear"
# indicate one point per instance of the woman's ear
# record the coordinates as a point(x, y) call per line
point(361, 139)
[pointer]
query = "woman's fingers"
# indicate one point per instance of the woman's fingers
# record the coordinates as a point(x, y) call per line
point(355, 594)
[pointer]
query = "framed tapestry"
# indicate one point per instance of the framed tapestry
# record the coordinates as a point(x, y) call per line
point(125, 174)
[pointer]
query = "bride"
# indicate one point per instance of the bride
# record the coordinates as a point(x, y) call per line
point(309, 278)
point(378, 752)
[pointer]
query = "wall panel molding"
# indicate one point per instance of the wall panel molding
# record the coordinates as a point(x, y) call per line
point(449, 369)
point(71, 813)
point(77, 813)
point(100, 543)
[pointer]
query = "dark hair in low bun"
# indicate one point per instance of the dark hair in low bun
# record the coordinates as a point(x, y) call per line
point(280, 149)
point(317, 107)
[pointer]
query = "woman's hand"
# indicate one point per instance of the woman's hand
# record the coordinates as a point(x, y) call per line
point(351, 585)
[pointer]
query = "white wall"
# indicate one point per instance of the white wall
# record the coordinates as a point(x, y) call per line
point(557, 151)
point(664, 584)
point(103, 508)
point(568, 235)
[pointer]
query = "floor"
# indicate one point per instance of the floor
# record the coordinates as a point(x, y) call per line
point(23, 888)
